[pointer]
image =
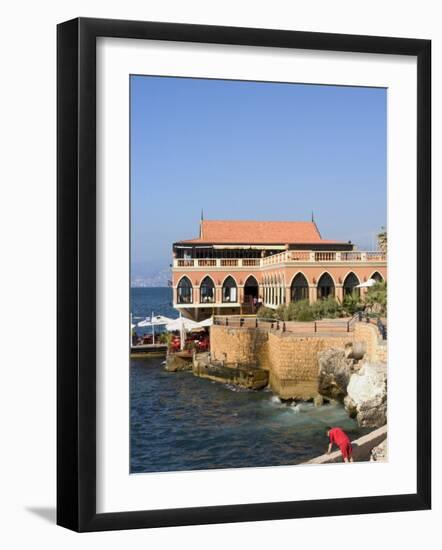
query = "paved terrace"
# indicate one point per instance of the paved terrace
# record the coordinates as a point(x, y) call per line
point(325, 327)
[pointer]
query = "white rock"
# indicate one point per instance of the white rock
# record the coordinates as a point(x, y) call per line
point(367, 395)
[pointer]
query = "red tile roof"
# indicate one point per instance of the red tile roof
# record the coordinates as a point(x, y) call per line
point(257, 232)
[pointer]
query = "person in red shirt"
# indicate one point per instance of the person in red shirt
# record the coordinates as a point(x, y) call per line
point(341, 439)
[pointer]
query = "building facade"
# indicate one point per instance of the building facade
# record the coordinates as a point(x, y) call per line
point(232, 264)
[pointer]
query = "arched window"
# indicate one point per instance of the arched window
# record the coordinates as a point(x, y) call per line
point(377, 277)
point(350, 283)
point(207, 291)
point(229, 290)
point(185, 291)
point(251, 290)
point(326, 286)
point(299, 288)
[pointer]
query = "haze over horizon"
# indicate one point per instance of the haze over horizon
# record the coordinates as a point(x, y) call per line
point(248, 150)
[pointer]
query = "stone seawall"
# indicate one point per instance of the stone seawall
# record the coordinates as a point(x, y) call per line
point(239, 345)
point(293, 363)
point(375, 347)
point(291, 359)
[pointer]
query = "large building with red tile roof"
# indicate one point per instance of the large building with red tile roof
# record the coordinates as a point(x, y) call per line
point(257, 232)
point(232, 265)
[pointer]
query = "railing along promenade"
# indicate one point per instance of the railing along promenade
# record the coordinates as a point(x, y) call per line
point(304, 327)
point(286, 257)
point(238, 321)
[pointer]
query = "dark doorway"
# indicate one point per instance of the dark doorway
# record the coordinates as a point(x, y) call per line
point(251, 290)
point(299, 288)
point(326, 286)
point(350, 283)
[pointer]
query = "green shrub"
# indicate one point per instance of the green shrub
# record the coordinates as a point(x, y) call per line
point(281, 313)
point(296, 311)
point(302, 310)
point(305, 313)
point(327, 308)
point(266, 313)
point(165, 338)
point(352, 303)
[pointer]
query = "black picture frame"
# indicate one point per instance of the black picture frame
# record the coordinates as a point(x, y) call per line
point(76, 273)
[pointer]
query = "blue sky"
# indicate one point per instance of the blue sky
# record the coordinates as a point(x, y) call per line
point(253, 150)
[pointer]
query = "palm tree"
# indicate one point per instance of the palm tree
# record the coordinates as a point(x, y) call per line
point(382, 240)
point(376, 298)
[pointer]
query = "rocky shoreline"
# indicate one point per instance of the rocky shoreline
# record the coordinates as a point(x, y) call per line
point(360, 385)
point(347, 374)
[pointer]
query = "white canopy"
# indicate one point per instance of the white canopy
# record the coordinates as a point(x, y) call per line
point(180, 324)
point(206, 323)
point(155, 321)
point(367, 284)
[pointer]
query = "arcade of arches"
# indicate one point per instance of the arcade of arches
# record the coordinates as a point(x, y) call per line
point(273, 289)
point(276, 292)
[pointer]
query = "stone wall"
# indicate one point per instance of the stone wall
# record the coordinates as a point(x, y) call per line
point(293, 362)
point(376, 348)
point(238, 345)
point(291, 359)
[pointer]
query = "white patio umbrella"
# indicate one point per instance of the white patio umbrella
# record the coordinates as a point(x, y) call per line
point(206, 323)
point(182, 324)
point(367, 284)
point(155, 321)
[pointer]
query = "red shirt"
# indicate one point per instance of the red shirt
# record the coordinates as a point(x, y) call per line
point(339, 437)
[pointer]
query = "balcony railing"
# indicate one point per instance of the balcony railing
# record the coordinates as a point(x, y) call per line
point(247, 262)
point(325, 256)
point(288, 256)
point(223, 262)
point(293, 256)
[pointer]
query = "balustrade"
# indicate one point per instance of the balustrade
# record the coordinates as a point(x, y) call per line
point(304, 256)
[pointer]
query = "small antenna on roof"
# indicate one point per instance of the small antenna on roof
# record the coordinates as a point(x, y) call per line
point(201, 224)
point(313, 217)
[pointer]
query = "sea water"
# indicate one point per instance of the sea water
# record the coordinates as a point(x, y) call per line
point(181, 422)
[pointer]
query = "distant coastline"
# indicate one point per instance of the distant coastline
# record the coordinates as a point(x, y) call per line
point(149, 278)
point(148, 286)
